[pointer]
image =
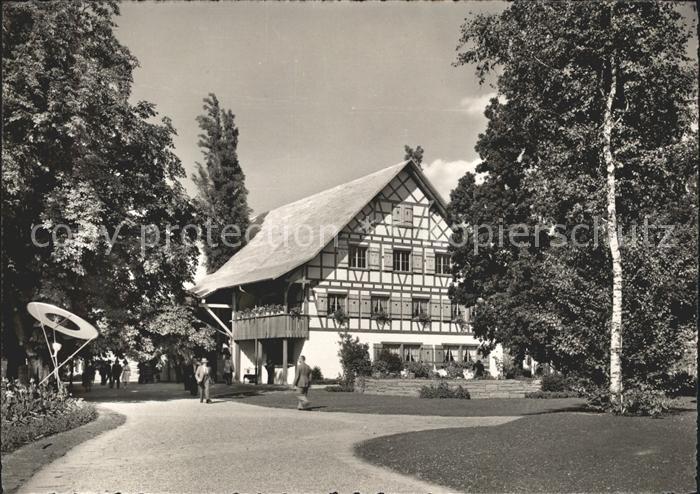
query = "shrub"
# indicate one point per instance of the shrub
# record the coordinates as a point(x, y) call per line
point(552, 394)
point(316, 375)
point(354, 359)
point(681, 384)
point(340, 388)
point(634, 401)
point(419, 369)
point(456, 369)
point(555, 382)
point(393, 362)
point(31, 412)
point(442, 390)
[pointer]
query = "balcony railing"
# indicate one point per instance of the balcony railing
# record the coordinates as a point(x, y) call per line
point(271, 326)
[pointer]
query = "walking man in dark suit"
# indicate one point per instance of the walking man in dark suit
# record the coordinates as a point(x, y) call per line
point(302, 381)
point(203, 377)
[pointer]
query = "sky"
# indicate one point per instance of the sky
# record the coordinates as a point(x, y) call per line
point(322, 92)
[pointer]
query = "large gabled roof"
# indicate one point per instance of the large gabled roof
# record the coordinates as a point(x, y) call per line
point(275, 250)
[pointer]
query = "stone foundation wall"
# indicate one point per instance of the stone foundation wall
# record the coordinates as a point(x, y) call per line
point(478, 389)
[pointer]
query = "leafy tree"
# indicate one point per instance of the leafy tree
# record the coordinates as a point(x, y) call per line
point(77, 154)
point(594, 135)
point(414, 154)
point(223, 198)
point(354, 358)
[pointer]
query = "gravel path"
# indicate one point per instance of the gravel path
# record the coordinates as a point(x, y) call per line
point(184, 446)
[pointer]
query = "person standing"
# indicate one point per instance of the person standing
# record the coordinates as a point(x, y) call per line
point(302, 381)
point(88, 375)
point(203, 377)
point(105, 372)
point(478, 368)
point(227, 370)
point(116, 373)
point(126, 373)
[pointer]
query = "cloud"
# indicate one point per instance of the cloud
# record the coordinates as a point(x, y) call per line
point(475, 105)
point(444, 175)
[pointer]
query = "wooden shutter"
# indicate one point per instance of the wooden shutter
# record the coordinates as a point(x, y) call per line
point(426, 354)
point(408, 216)
point(429, 262)
point(439, 354)
point(365, 305)
point(354, 306)
point(388, 259)
point(321, 304)
point(407, 313)
point(417, 261)
point(397, 215)
point(377, 350)
point(395, 307)
point(343, 254)
point(435, 309)
point(446, 311)
point(374, 258)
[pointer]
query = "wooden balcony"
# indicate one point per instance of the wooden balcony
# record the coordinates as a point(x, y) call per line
point(271, 326)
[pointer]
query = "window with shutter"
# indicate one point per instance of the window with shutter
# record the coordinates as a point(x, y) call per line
point(358, 257)
point(401, 260)
point(419, 306)
point(335, 302)
point(442, 264)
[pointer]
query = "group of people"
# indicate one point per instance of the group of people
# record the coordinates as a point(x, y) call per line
point(111, 372)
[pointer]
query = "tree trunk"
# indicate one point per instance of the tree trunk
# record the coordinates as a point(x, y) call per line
point(613, 242)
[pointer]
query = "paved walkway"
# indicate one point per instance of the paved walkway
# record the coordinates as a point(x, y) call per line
point(183, 446)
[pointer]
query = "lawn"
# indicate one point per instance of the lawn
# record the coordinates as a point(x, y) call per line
point(325, 401)
point(550, 452)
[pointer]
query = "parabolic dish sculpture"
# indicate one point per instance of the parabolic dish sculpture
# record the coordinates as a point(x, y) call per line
point(65, 322)
point(62, 320)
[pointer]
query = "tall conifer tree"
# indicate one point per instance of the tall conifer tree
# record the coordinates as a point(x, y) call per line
point(223, 197)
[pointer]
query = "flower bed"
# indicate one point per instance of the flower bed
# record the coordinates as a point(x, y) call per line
point(32, 412)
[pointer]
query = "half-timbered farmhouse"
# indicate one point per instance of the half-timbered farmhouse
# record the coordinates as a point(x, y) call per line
point(374, 250)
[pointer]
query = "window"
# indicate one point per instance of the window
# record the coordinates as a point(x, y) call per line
point(411, 353)
point(393, 349)
point(402, 260)
point(451, 354)
point(335, 302)
point(402, 215)
point(380, 304)
point(419, 306)
point(358, 257)
point(442, 264)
